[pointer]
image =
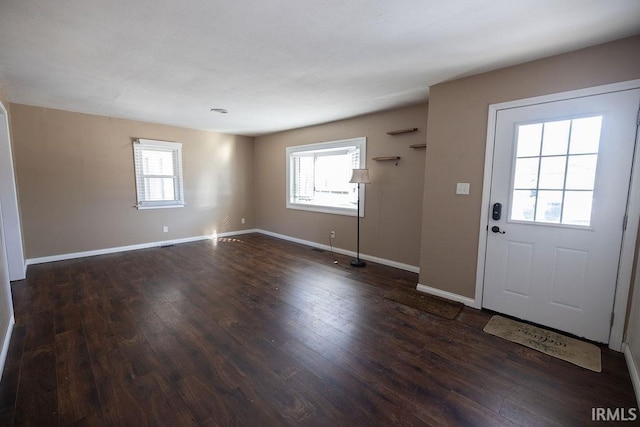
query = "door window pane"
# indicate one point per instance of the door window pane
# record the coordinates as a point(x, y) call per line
point(523, 205)
point(555, 171)
point(556, 137)
point(529, 138)
point(552, 172)
point(581, 172)
point(549, 206)
point(577, 207)
point(526, 173)
point(585, 135)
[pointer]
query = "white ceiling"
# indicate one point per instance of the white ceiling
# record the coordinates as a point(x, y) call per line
point(277, 64)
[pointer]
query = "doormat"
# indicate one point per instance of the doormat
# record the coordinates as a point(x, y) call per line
point(425, 302)
point(568, 349)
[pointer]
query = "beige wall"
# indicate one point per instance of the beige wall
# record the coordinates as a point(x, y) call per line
point(457, 137)
point(77, 190)
point(391, 226)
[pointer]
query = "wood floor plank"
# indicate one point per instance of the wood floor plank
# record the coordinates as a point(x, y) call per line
point(77, 397)
point(252, 330)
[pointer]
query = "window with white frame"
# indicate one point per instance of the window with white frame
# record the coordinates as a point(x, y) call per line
point(158, 169)
point(318, 176)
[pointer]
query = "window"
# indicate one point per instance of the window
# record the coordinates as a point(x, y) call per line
point(158, 168)
point(318, 176)
point(555, 171)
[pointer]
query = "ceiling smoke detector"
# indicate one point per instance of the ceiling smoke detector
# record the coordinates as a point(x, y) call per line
point(219, 110)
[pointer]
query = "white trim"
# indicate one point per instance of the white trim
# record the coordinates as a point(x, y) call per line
point(627, 254)
point(633, 371)
point(486, 198)
point(143, 207)
point(633, 210)
point(170, 146)
point(235, 233)
point(9, 196)
point(74, 255)
point(383, 261)
point(327, 209)
point(560, 96)
point(446, 295)
point(106, 251)
point(5, 344)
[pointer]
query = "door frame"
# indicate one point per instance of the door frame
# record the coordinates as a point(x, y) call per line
point(627, 252)
point(8, 195)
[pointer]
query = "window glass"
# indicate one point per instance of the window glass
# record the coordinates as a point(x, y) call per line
point(577, 207)
point(523, 205)
point(556, 137)
point(552, 172)
point(529, 137)
point(555, 171)
point(581, 173)
point(549, 206)
point(585, 135)
point(526, 173)
point(319, 174)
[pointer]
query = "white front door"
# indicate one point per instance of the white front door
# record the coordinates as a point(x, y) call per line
point(561, 173)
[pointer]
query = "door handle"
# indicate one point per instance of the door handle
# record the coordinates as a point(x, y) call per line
point(496, 229)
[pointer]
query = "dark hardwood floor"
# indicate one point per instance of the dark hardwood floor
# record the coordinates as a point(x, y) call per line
point(257, 331)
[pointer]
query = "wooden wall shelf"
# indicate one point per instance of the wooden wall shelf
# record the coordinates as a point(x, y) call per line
point(401, 131)
point(419, 145)
point(387, 158)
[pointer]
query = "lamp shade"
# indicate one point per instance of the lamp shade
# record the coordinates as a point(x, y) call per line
point(360, 176)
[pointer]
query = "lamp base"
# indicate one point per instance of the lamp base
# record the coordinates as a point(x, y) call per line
point(358, 263)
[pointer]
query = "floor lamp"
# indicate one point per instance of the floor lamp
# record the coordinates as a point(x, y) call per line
point(360, 176)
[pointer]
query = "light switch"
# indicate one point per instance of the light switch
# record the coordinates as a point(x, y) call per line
point(462, 188)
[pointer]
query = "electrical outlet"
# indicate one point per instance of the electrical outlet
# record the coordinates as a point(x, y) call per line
point(242, 220)
point(165, 229)
point(333, 234)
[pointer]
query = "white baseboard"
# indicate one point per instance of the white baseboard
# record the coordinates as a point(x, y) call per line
point(633, 372)
point(447, 295)
point(23, 273)
point(105, 251)
point(5, 344)
point(383, 261)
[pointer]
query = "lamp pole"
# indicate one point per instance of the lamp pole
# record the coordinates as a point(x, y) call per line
point(358, 262)
point(360, 176)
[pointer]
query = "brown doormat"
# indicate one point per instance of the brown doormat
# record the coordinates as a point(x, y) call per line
point(568, 349)
point(425, 302)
